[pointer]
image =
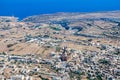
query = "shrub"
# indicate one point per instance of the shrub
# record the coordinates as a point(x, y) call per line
point(10, 45)
point(58, 49)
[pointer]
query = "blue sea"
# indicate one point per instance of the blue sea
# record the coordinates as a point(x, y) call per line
point(24, 8)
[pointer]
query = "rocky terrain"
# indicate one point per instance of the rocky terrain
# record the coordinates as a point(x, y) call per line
point(61, 46)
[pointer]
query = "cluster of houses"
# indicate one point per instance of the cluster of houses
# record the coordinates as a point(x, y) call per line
point(43, 40)
point(64, 65)
point(103, 65)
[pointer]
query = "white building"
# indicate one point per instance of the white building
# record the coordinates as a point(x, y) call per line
point(17, 77)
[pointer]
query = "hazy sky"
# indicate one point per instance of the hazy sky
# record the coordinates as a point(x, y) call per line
point(23, 8)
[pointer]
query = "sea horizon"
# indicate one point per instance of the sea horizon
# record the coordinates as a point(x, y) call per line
point(25, 8)
point(20, 18)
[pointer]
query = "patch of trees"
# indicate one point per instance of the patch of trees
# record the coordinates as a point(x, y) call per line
point(3, 53)
point(10, 45)
point(64, 23)
point(117, 52)
point(104, 61)
point(79, 28)
point(55, 28)
point(42, 78)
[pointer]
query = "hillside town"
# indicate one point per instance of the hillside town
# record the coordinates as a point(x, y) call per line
point(61, 46)
point(66, 65)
